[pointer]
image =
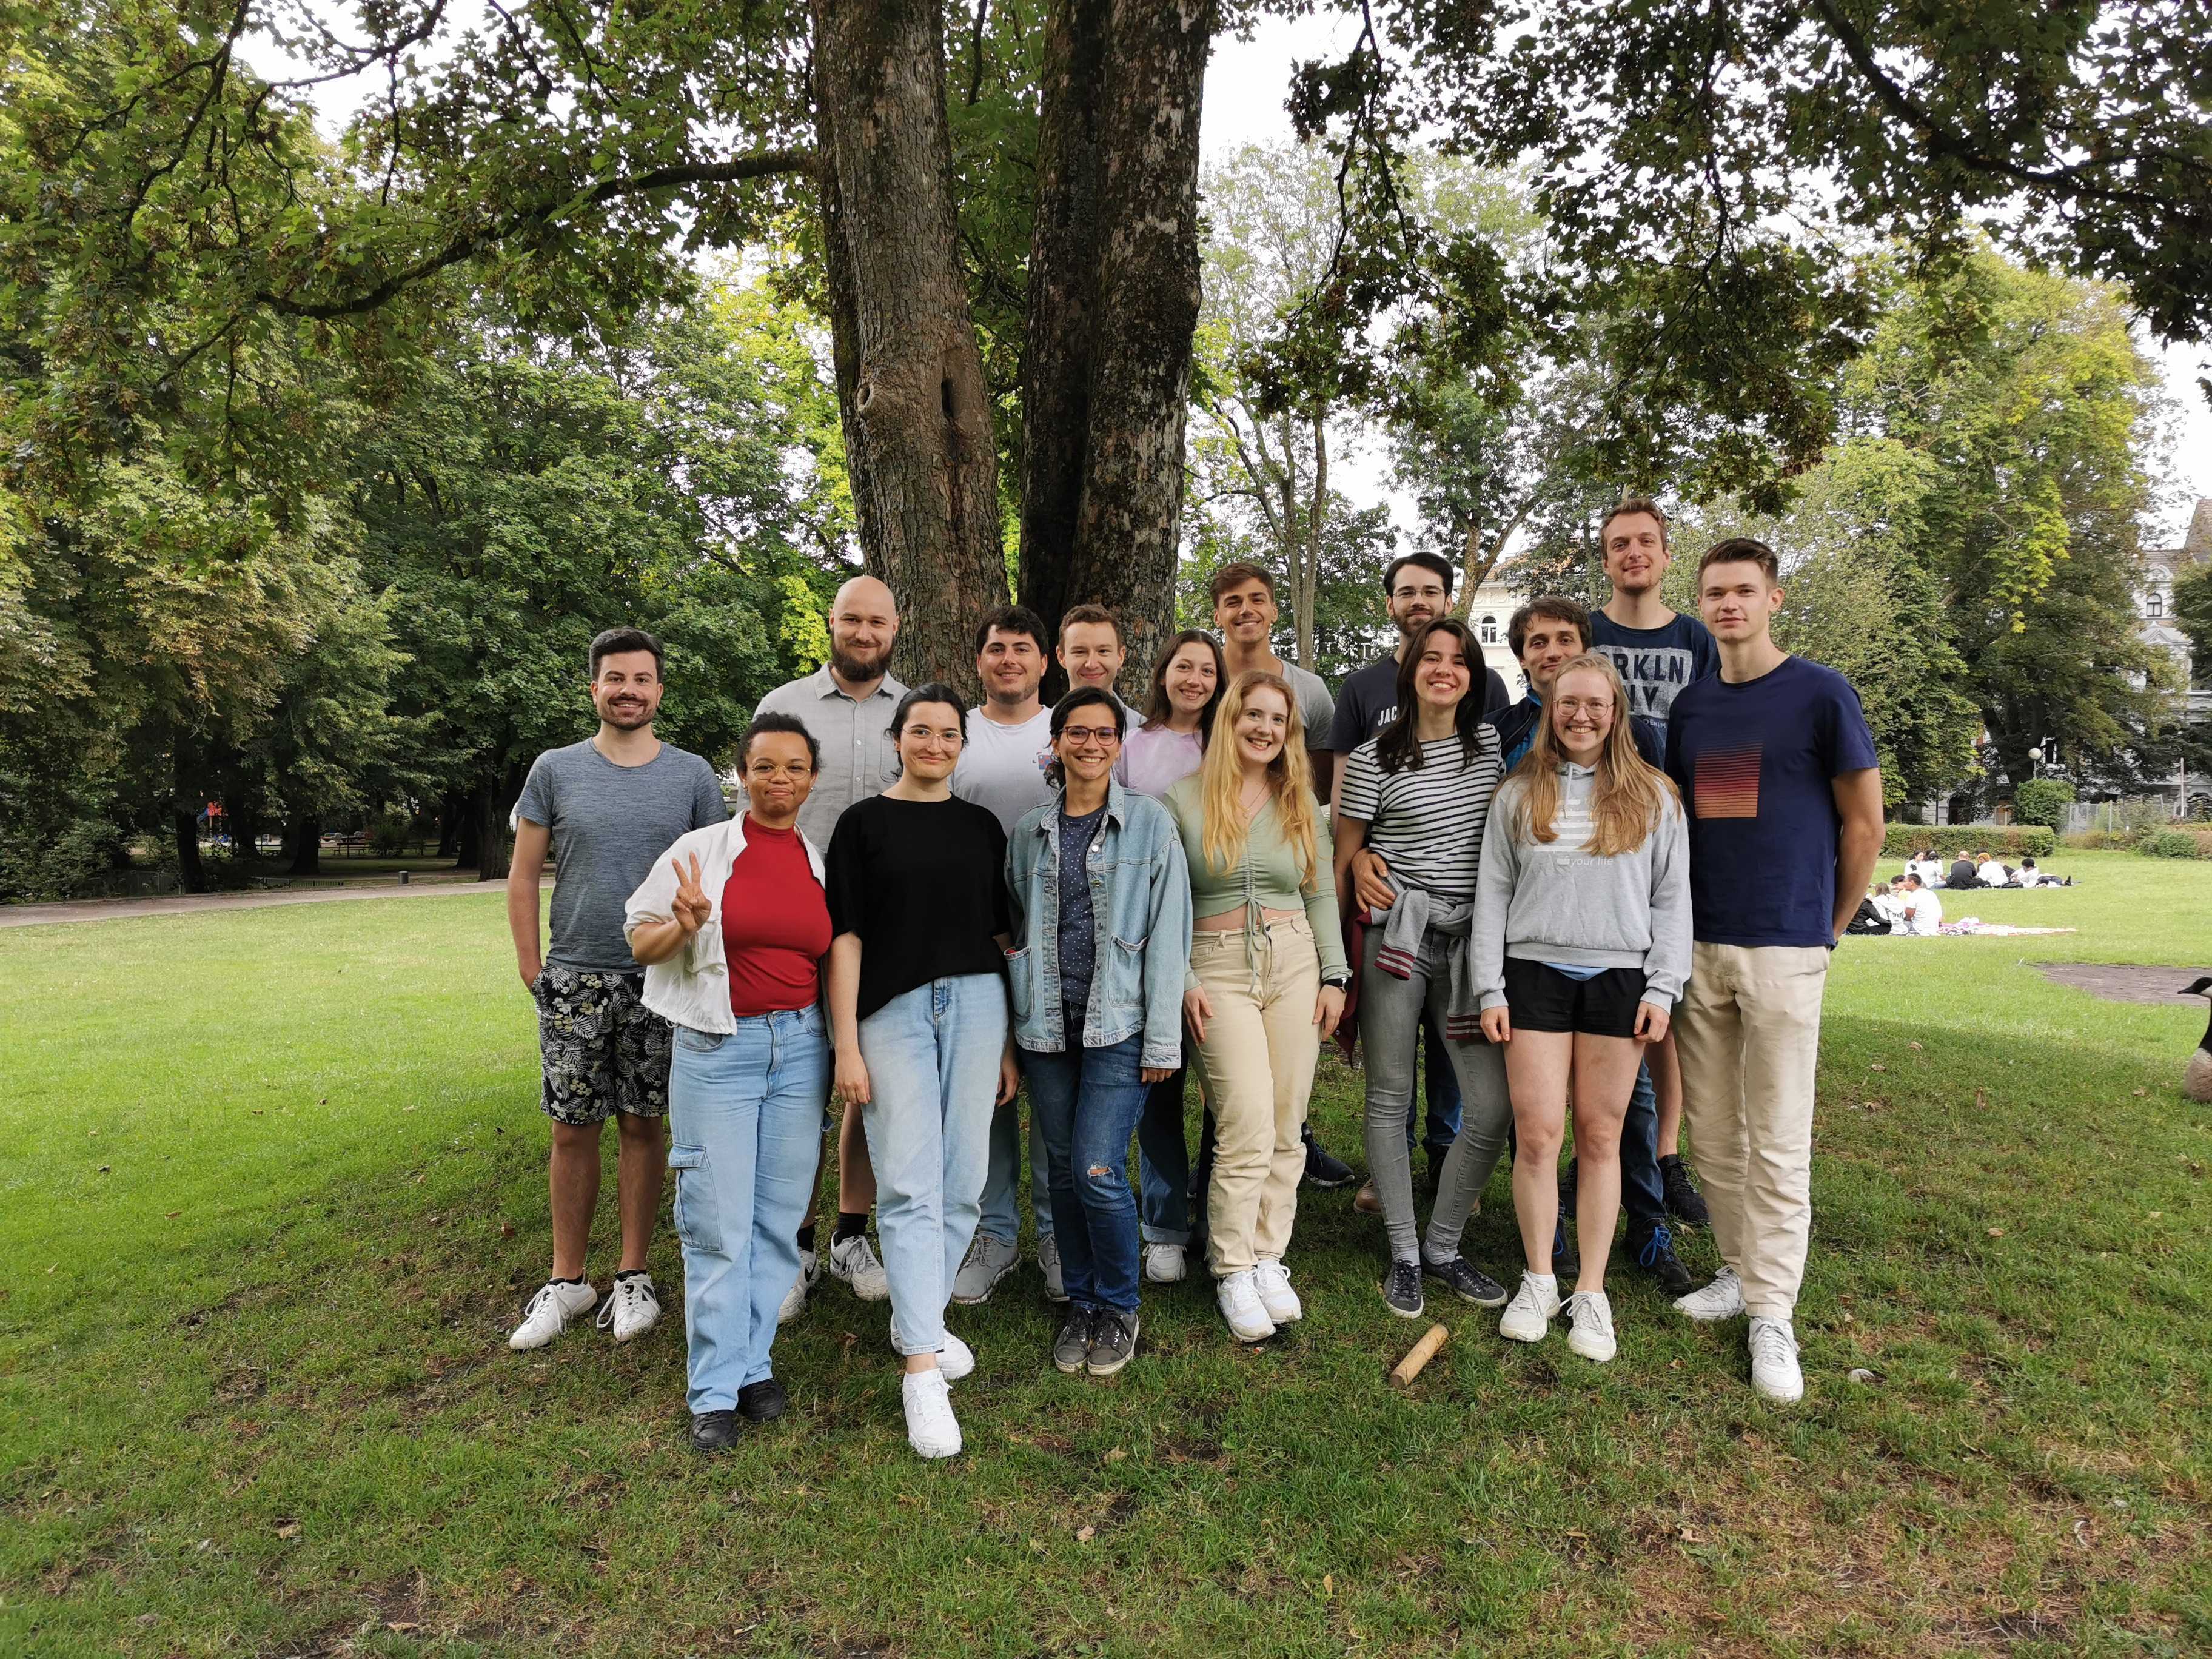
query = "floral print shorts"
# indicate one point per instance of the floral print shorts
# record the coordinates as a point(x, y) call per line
point(604, 1050)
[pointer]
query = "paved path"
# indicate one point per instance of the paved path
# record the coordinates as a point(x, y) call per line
point(178, 904)
point(2122, 981)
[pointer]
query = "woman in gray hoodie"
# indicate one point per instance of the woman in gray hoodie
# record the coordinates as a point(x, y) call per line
point(1578, 948)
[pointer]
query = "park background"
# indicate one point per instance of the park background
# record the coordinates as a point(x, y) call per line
point(358, 365)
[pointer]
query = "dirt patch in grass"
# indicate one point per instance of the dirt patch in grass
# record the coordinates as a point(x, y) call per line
point(2121, 982)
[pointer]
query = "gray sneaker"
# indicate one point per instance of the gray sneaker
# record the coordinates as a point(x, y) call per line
point(1071, 1349)
point(1055, 1286)
point(1113, 1340)
point(989, 1259)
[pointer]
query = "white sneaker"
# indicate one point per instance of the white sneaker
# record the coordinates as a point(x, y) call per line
point(1272, 1279)
point(1722, 1299)
point(1241, 1306)
point(930, 1428)
point(989, 1259)
point(1055, 1286)
point(1164, 1264)
point(1528, 1318)
point(1775, 1371)
point(955, 1360)
point(794, 1299)
point(1591, 1336)
point(549, 1312)
point(852, 1260)
point(632, 1308)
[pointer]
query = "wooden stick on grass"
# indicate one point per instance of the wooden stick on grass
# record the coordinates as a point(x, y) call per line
point(1424, 1350)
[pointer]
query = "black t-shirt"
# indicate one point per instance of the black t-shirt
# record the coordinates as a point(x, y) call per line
point(1368, 701)
point(1960, 874)
point(923, 884)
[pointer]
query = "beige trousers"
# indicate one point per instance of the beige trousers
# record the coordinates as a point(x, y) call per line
point(1259, 1055)
point(1749, 1033)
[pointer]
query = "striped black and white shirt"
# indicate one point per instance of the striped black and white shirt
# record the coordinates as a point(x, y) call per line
point(1426, 821)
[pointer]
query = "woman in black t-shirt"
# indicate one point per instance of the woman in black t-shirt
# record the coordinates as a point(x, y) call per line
point(918, 999)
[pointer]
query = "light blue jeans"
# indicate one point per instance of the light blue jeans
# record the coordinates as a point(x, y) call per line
point(744, 1116)
point(1000, 1218)
point(933, 1058)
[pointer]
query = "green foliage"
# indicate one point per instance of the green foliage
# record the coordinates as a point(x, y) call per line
point(2010, 842)
point(2174, 844)
point(2044, 801)
point(2192, 613)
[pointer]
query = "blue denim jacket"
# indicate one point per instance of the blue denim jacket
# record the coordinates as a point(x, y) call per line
point(1141, 896)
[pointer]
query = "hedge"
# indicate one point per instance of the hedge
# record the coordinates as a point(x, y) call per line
point(2010, 842)
point(2176, 844)
point(2043, 800)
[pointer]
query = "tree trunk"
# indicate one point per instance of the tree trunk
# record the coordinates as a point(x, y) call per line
point(242, 821)
point(1056, 353)
point(450, 815)
point(915, 412)
point(1309, 555)
point(190, 875)
point(303, 843)
point(1143, 310)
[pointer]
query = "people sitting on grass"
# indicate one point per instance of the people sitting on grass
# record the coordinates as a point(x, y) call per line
point(1961, 873)
point(1991, 872)
point(733, 926)
point(1923, 864)
point(1922, 911)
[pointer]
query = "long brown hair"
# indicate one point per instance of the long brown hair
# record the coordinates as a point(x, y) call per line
point(1398, 747)
point(1290, 780)
point(1628, 794)
point(1159, 708)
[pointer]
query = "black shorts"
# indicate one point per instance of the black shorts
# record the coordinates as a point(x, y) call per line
point(1542, 999)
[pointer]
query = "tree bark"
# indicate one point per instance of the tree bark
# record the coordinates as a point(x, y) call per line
point(1056, 354)
point(1317, 519)
point(911, 394)
point(1144, 312)
point(192, 875)
point(303, 843)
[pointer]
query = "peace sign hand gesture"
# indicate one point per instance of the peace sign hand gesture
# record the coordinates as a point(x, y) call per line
point(692, 907)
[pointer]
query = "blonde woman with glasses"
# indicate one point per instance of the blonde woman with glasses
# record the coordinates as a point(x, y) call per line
point(1266, 983)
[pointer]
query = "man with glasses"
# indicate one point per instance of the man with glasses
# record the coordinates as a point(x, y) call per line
point(846, 706)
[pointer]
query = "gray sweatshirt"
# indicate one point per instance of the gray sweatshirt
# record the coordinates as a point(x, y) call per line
point(1558, 903)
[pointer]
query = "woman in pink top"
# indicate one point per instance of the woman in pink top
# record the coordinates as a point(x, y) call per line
point(1186, 686)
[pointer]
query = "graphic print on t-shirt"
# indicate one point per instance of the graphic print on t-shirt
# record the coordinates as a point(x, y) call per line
point(1727, 784)
point(1652, 673)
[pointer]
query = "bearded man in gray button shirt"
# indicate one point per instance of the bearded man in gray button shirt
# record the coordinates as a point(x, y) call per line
point(846, 705)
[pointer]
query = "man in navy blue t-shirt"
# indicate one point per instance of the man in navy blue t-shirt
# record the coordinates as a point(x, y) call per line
point(1779, 777)
point(1658, 651)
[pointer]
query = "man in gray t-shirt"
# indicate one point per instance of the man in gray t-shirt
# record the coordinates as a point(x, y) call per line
point(607, 807)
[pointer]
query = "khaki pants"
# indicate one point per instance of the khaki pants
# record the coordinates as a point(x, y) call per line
point(1259, 1055)
point(1748, 1032)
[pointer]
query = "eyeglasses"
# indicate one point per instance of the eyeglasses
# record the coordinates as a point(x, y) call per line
point(766, 770)
point(1077, 736)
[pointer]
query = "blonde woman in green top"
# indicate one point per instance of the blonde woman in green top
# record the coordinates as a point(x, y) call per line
point(1266, 983)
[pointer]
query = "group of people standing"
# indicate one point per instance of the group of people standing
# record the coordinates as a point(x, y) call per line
point(925, 913)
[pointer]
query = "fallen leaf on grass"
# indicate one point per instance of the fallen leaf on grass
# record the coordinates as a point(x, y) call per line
point(290, 1529)
point(1689, 1535)
point(1996, 1232)
point(1914, 1046)
point(1329, 1583)
point(1084, 1534)
point(1981, 1100)
point(172, 1215)
point(505, 1228)
point(1877, 1066)
point(1115, 1454)
point(2155, 1214)
point(2141, 1092)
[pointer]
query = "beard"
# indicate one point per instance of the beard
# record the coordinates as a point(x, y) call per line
point(1409, 626)
point(846, 665)
point(627, 719)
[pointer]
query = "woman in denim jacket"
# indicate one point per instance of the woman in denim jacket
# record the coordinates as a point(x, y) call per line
point(1097, 969)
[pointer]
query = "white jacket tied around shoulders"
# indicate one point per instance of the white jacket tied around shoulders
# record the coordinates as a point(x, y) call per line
point(692, 988)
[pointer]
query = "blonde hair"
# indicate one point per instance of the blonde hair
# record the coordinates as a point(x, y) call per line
point(1628, 794)
point(1290, 780)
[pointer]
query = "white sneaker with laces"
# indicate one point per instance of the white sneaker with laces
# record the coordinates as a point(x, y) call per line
point(930, 1428)
point(1241, 1306)
point(955, 1360)
point(794, 1299)
point(1528, 1318)
point(632, 1308)
point(1165, 1264)
point(1055, 1286)
point(989, 1259)
point(1722, 1299)
point(1272, 1280)
point(854, 1261)
point(549, 1312)
point(1592, 1333)
point(1775, 1371)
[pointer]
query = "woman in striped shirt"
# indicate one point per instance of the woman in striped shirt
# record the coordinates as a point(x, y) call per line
point(1414, 800)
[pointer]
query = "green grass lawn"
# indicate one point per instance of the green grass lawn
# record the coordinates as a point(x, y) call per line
point(272, 1185)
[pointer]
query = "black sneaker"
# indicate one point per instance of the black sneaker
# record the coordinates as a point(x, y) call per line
point(1567, 1186)
point(1401, 1289)
point(1653, 1247)
point(1566, 1260)
point(1324, 1172)
point(1071, 1349)
point(762, 1401)
point(1684, 1201)
point(1465, 1282)
point(1113, 1341)
point(715, 1431)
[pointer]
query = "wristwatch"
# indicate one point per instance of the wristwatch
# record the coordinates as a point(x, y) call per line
point(1341, 982)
